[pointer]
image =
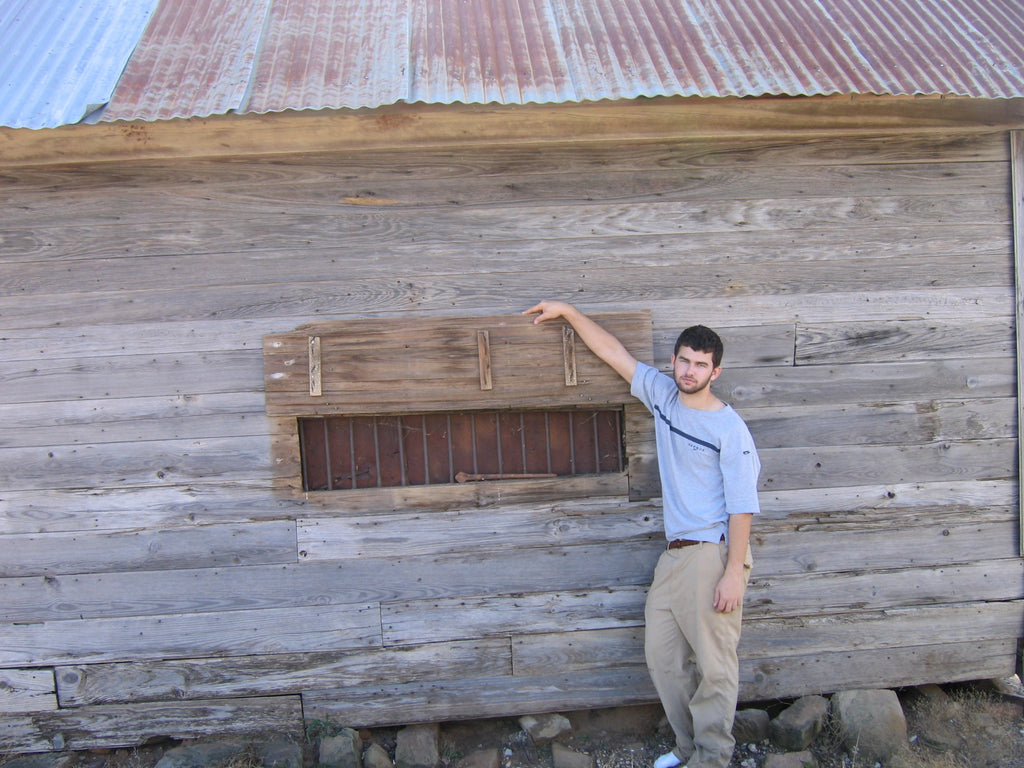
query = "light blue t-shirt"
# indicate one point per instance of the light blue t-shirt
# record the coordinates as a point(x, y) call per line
point(707, 460)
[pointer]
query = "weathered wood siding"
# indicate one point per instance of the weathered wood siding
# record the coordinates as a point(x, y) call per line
point(154, 584)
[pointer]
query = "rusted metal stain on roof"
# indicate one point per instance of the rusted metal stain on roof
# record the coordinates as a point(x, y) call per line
point(332, 54)
point(195, 59)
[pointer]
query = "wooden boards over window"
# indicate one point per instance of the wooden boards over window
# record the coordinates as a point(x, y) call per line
point(448, 365)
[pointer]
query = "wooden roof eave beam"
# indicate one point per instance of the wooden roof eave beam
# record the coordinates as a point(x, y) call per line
point(412, 126)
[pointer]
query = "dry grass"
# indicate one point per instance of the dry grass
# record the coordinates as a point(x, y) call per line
point(972, 728)
point(967, 727)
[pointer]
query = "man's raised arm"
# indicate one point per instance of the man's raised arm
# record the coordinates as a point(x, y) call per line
point(602, 343)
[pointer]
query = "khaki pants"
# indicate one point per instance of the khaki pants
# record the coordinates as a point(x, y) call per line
point(691, 652)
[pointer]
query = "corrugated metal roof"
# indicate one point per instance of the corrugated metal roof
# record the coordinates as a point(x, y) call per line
point(203, 57)
point(195, 59)
point(60, 59)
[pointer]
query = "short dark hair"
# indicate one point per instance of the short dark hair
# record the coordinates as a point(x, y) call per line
point(700, 338)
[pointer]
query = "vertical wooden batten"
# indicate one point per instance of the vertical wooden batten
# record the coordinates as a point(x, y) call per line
point(569, 355)
point(483, 343)
point(1017, 177)
point(315, 382)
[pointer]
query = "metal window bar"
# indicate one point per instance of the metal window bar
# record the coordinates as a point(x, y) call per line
point(509, 427)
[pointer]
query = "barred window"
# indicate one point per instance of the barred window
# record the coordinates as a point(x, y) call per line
point(363, 406)
point(347, 452)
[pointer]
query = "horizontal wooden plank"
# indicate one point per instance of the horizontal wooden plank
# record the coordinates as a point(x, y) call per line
point(120, 508)
point(836, 466)
point(154, 375)
point(442, 496)
point(117, 508)
point(584, 155)
point(867, 506)
point(166, 335)
point(902, 667)
point(505, 289)
point(227, 633)
point(241, 499)
point(765, 642)
point(825, 307)
point(578, 652)
point(580, 157)
point(247, 251)
point(205, 546)
point(346, 197)
point(231, 459)
point(402, 703)
point(913, 626)
point(911, 513)
point(277, 674)
point(456, 126)
point(218, 192)
point(879, 342)
point(882, 423)
point(128, 725)
point(130, 419)
point(896, 542)
point(101, 414)
point(411, 534)
point(325, 584)
point(836, 592)
point(46, 433)
point(27, 690)
point(861, 383)
point(497, 615)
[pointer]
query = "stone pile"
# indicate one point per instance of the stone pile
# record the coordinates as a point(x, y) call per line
point(869, 724)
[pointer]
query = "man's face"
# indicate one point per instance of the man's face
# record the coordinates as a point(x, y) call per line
point(693, 371)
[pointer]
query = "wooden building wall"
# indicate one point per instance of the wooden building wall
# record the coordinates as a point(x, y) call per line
point(153, 584)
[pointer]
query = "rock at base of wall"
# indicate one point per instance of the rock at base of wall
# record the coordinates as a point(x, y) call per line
point(870, 723)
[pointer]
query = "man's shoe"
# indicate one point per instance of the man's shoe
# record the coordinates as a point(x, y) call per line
point(668, 760)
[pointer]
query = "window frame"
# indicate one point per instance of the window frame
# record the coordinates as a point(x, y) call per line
point(363, 366)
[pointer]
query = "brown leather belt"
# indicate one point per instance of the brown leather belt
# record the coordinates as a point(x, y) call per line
point(680, 543)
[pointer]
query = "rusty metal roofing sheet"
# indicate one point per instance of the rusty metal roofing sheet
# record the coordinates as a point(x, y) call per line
point(61, 59)
point(203, 57)
point(195, 59)
point(333, 54)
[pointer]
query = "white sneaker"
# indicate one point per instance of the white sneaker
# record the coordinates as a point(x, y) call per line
point(668, 760)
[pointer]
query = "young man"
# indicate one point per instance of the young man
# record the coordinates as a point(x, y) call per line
point(709, 468)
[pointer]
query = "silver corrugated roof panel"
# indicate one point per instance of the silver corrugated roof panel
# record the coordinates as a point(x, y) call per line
point(60, 59)
point(203, 57)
